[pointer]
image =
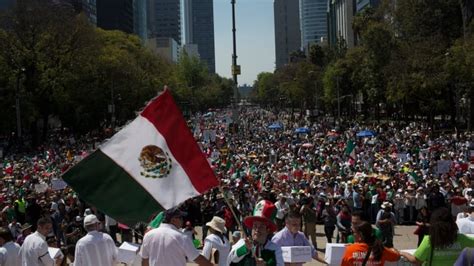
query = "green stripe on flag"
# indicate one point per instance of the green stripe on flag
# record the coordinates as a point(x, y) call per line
point(102, 183)
point(415, 177)
point(350, 145)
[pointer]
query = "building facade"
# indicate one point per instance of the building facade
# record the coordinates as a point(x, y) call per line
point(167, 48)
point(140, 20)
point(6, 4)
point(362, 4)
point(287, 30)
point(199, 29)
point(164, 19)
point(340, 18)
point(313, 16)
point(116, 15)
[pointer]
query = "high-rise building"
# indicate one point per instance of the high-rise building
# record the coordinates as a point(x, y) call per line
point(166, 47)
point(6, 4)
point(362, 4)
point(313, 16)
point(140, 19)
point(287, 30)
point(340, 18)
point(115, 15)
point(199, 29)
point(164, 19)
point(88, 7)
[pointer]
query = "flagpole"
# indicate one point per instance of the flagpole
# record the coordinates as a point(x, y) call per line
point(221, 189)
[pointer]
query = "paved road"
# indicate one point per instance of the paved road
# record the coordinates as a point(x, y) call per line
point(404, 239)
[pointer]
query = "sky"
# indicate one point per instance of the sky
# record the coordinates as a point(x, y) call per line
point(255, 38)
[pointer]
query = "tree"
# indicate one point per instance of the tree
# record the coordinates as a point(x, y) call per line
point(266, 89)
point(39, 41)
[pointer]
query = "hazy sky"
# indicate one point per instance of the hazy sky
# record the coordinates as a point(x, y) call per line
point(255, 38)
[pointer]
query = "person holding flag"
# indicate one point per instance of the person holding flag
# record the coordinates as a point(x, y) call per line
point(258, 250)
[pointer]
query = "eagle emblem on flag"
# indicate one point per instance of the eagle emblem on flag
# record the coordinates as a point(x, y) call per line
point(155, 162)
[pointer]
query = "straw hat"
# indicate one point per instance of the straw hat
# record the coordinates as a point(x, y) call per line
point(218, 224)
point(386, 205)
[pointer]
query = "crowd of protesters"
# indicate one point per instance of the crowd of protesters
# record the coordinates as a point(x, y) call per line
point(393, 174)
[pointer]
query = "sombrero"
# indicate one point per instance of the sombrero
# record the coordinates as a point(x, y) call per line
point(265, 212)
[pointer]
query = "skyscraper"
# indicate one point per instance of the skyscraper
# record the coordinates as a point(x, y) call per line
point(6, 4)
point(340, 18)
point(362, 4)
point(115, 15)
point(287, 29)
point(164, 19)
point(313, 15)
point(140, 19)
point(199, 29)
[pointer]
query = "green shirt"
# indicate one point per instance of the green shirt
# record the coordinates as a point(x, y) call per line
point(377, 233)
point(445, 256)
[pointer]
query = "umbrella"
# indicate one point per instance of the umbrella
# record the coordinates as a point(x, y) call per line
point(307, 145)
point(275, 126)
point(208, 114)
point(365, 134)
point(302, 130)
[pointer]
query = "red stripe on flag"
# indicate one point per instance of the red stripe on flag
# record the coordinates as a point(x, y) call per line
point(168, 120)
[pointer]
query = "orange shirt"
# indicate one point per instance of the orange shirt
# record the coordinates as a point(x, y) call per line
point(355, 255)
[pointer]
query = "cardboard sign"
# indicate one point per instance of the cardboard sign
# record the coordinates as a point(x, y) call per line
point(58, 184)
point(443, 166)
point(41, 188)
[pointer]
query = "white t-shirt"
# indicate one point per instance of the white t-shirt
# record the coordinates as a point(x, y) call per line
point(95, 248)
point(214, 242)
point(466, 225)
point(34, 251)
point(166, 246)
point(13, 254)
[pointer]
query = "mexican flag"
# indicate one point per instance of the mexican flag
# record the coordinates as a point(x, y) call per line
point(150, 165)
point(350, 151)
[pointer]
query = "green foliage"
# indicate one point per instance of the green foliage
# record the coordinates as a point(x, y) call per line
point(412, 58)
point(66, 68)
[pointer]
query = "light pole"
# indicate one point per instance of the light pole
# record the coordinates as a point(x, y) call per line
point(235, 67)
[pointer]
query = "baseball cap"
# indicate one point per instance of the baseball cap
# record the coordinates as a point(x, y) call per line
point(90, 219)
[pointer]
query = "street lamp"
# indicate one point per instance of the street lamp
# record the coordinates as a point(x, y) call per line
point(235, 67)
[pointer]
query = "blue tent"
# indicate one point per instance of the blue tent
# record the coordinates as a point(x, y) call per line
point(275, 126)
point(302, 130)
point(365, 134)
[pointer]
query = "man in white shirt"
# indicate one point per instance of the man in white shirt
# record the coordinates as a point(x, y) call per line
point(10, 251)
point(282, 207)
point(95, 248)
point(466, 225)
point(34, 251)
point(166, 245)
